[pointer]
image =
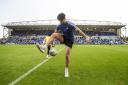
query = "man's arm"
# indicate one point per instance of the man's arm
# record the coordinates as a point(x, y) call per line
point(83, 34)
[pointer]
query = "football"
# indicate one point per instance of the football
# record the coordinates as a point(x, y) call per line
point(53, 52)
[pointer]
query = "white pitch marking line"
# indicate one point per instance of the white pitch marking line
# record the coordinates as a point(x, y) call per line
point(30, 71)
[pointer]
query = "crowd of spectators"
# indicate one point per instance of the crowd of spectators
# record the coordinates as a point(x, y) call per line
point(31, 32)
point(49, 32)
point(27, 40)
point(96, 33)
point(77, 40)
point(32, 37)
point(23, 40)
point(99, 40)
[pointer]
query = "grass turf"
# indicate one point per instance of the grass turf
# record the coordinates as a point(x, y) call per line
point(89, 65)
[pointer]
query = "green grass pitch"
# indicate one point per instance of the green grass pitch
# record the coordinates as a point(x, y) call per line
point(89, 65)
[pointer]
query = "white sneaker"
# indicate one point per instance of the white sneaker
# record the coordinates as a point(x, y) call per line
point(42, 48)
point(47, 56)
point(66, 72)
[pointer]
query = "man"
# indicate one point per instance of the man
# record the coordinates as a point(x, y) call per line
point(65, 34)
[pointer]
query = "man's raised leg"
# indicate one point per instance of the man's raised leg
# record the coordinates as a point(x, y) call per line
point(54, 36)
point(57, 36)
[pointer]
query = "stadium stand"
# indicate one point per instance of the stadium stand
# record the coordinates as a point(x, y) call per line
point(33, 32)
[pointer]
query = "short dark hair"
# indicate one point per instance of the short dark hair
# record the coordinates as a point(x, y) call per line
point(61, 16)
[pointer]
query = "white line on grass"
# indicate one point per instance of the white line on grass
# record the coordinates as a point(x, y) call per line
point(31, 70)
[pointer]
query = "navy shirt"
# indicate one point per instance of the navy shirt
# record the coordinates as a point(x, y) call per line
point(67, 30)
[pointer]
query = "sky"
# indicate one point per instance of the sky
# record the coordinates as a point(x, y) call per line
point(29, 10)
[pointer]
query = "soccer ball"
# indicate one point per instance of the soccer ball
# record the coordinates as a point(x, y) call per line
point(53, 52)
